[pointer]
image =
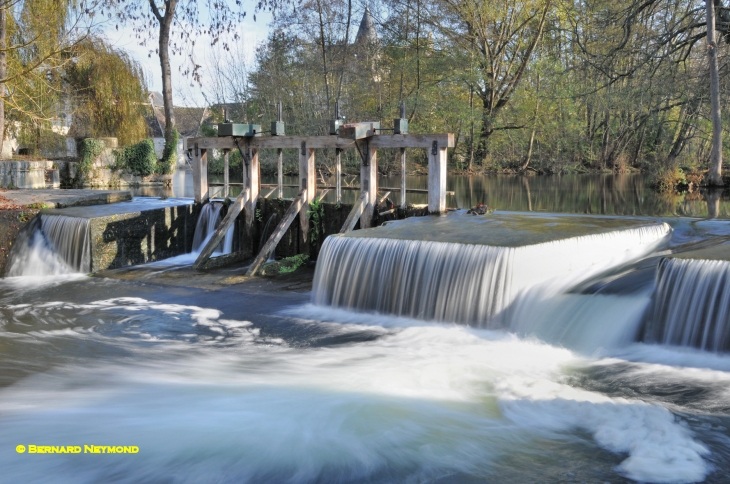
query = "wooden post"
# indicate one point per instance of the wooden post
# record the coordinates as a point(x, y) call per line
point(338, 176)
point(296, 206)
point(253, 184)
point(368, 181)
point(403, 203)
point(233, 210)
point(437, 178)
point(355, 213)
point(200, 174)
point(226, 179)
point(308, 182)
point(280, 172)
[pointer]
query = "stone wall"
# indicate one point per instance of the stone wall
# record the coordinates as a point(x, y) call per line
point(136, 238)
point(29, 174)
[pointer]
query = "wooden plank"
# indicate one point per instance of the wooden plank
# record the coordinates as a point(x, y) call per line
point(200, 174)
point(437, 179)
point(382, 199)
point(338, 176)
point(308, 180)
point(268, 194)
point(280, 172)
point(403, 191)
point(233, 210)
point(278, 233)
point(333, 187)
point(226, 179)
point(320, 142)
point(355, 213)
point(368, 182)
point(253, 183)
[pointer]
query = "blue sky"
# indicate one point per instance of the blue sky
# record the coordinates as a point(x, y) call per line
point(252, 32)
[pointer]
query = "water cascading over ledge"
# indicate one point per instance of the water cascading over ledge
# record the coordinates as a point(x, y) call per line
point(52, 245)
point(691, 305)
point(467, 269)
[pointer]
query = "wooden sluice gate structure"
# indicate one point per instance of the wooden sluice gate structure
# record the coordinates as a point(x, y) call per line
point(363, 137)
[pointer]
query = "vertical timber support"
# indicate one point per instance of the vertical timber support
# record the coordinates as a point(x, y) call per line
point(338, 175)
point(280, 172)
point(403, 203)
point(200, 174)
point(437, 156)
point(226, 173)
point(308, 182)
point(368, 182)
point(252, 182)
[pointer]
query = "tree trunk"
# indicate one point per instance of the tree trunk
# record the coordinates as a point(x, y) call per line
point(3, 69)
point(323, 44)
point(486, 130)
point(714, 176)
point(165, 23)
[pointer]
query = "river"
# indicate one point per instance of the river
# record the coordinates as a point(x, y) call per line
point(265, 383)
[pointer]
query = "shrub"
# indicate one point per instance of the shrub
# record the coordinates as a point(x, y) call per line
point(140, 158)
point(89, 151)
point(169, 155)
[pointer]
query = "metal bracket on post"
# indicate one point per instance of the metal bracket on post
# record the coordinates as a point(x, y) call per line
point(197, 150)
point(434, 148)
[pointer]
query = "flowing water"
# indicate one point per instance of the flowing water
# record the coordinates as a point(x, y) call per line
point(692, 305)
point(52, 245)
point(271, 383)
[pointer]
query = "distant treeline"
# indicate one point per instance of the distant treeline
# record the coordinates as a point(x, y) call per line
point(539, 85)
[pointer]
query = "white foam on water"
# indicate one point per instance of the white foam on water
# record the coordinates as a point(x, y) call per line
point(416, 402)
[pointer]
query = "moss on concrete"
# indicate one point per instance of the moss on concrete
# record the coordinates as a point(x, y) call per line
point(500, 229)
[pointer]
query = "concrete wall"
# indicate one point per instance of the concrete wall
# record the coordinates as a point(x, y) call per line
point(140, 237)
point(29, 174)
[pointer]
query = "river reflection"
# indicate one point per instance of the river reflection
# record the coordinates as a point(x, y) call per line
point(622, 194)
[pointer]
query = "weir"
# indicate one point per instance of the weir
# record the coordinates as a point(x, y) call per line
point(692, 301)
point(474, 270)
point(91, 238)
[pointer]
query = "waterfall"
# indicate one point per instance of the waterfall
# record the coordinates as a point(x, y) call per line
point(210, 218)
point(51, 245)
point(692, 304)
point(265, 236)
point(466, 283)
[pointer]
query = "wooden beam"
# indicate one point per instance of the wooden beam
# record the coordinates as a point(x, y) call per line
point(226, 179)
point(355, 213)
point(308, 182)
point(278, 233)
point(437, 157)
point(233, 210)
point(252, 182)
point(200, 174)
point(280, 171)
point(368, 181)
point(320, 142)
point(338, 176)
point(333, 187)
point(403, 191)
